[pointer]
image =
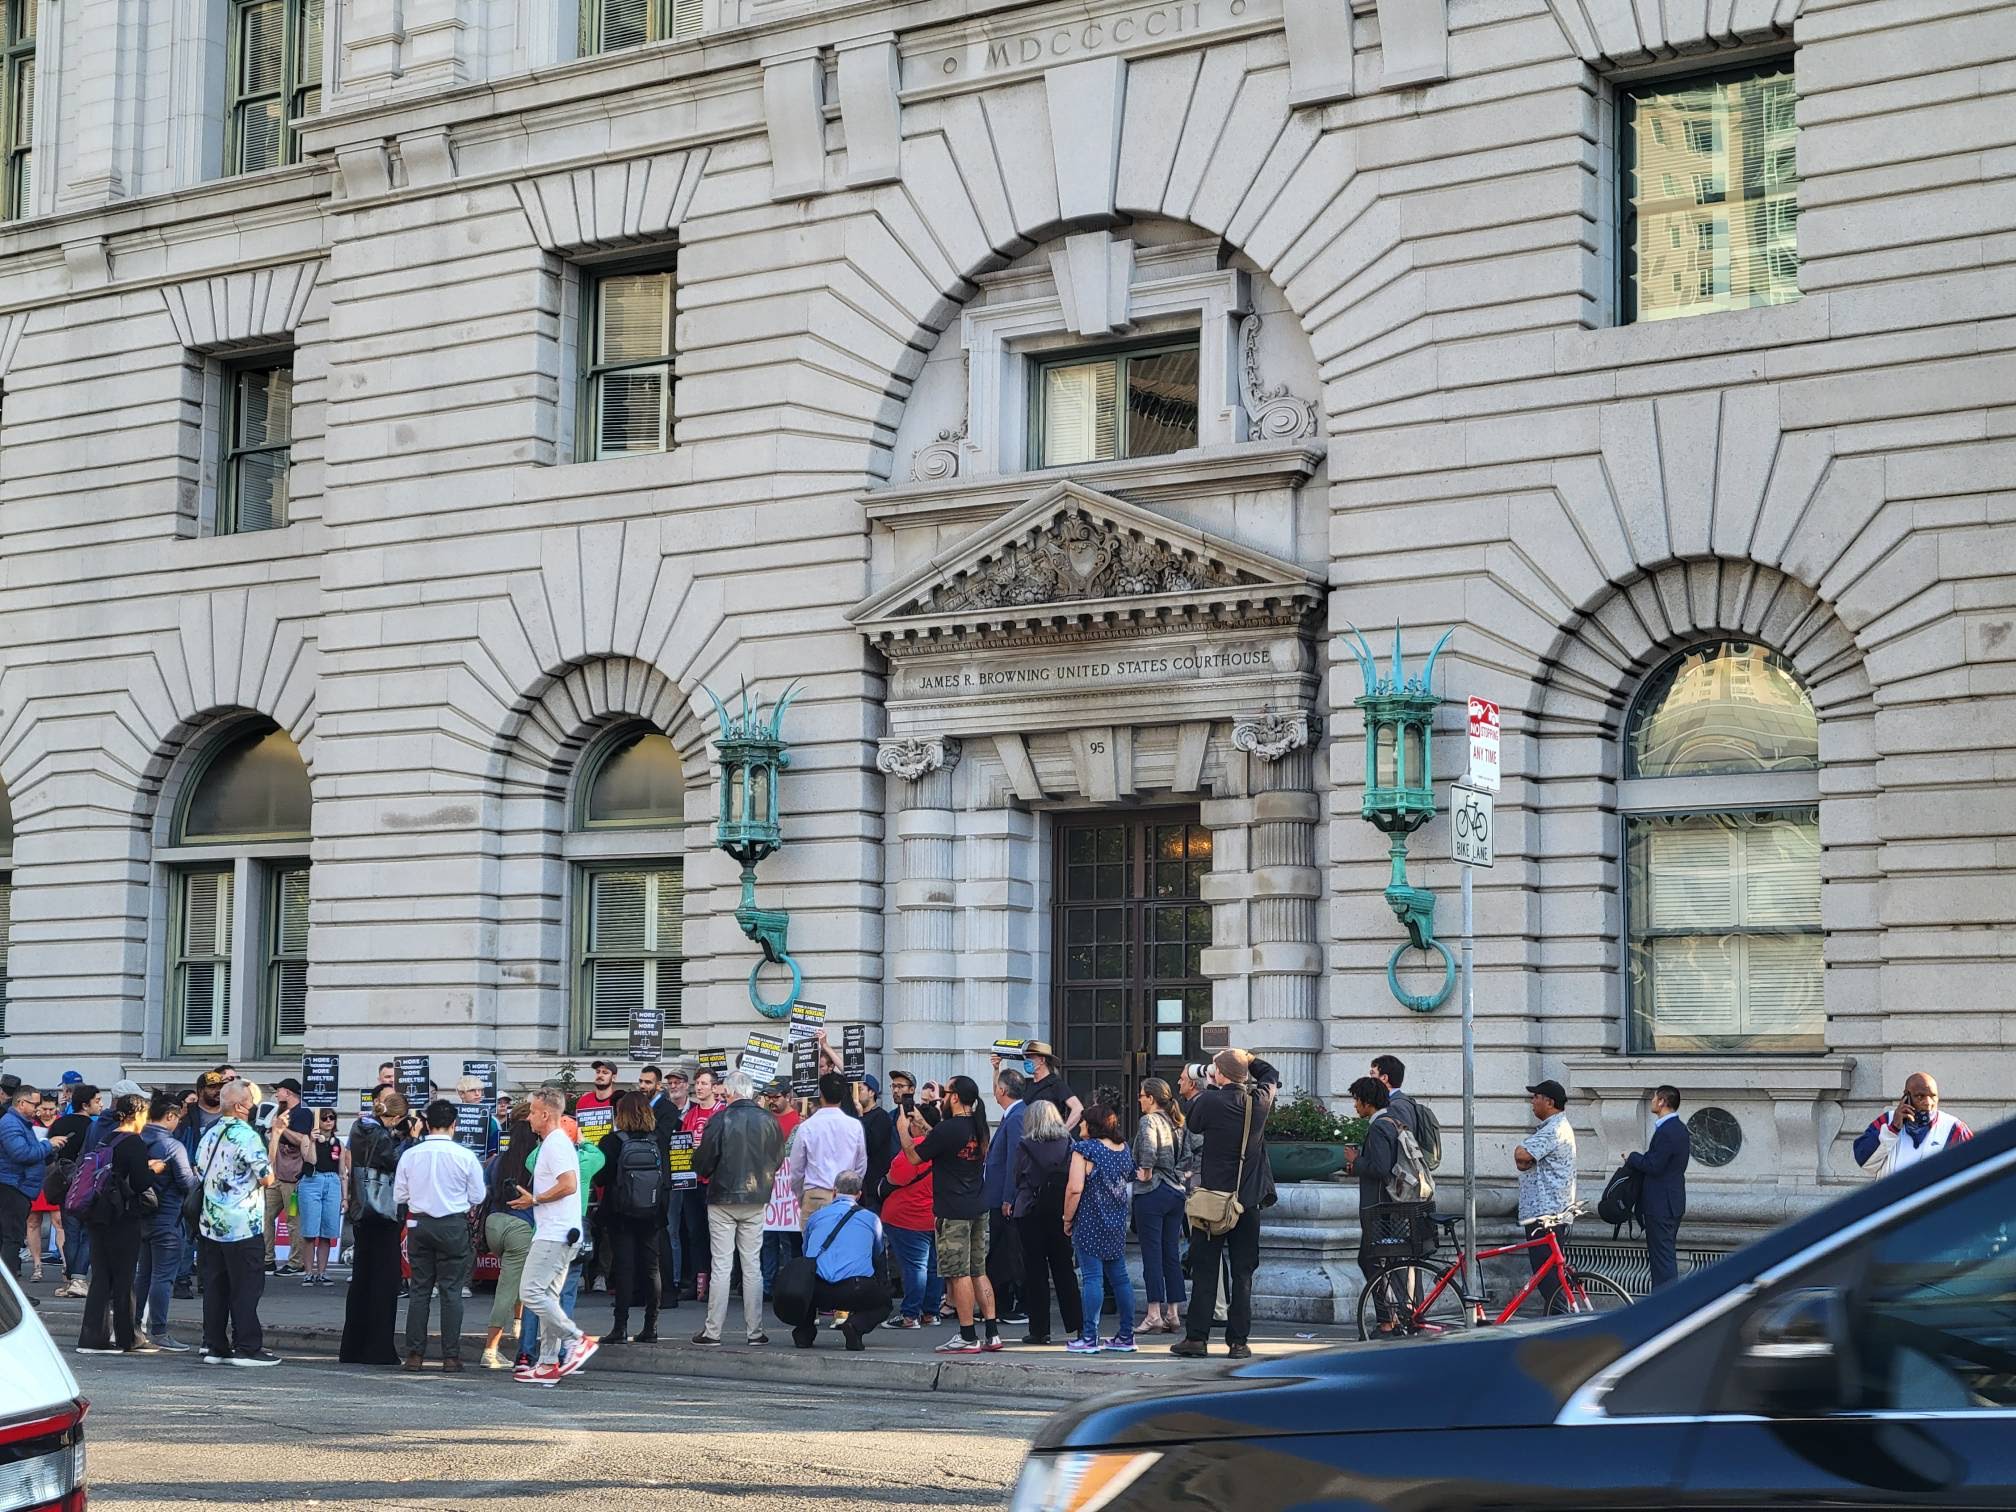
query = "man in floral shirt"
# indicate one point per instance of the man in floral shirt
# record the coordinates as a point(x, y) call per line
point(236, 1167)
point(1546, 1162)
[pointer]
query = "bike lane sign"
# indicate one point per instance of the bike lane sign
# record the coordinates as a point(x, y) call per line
point(1470, 827)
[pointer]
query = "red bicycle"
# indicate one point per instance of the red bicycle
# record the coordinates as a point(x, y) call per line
point(1423, 1298)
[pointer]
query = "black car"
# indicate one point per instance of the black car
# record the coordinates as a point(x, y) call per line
point(1863, 1357)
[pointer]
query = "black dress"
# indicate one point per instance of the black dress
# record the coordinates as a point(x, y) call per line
point(115, 1251)
point(371, 1309)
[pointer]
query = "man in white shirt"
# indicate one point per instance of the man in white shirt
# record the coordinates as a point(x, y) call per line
point(556, 1231)
point(438, 1184)
point(827, 1144)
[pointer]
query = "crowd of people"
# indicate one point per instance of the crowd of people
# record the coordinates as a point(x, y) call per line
point(846, 1211)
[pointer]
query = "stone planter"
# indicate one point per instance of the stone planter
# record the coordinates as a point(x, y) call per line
point(1304, 1160)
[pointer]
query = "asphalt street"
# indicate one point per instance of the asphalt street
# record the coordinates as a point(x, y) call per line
point(166, 1432)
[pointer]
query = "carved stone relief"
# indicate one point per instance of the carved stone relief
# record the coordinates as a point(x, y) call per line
point(1076, 557)
point(914, 757)
point(1274, 734)
point(1272, 414)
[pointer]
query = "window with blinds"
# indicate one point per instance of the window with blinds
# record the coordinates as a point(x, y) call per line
point(631, 935)
point(1126, 404)
point(201, 968)
point(276, 80)
point(287, 957)
point(258, 427)
point(628, 381)
point(607, 25)
point(18, 83)
point(1725, 937)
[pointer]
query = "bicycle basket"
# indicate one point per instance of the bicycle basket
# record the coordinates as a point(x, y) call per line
point(1400, 1230)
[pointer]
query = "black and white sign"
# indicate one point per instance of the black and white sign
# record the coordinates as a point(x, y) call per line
point(1470, 827)
point(854, 1051)
point(318, 1081)
point(761, 1056)
point(412, 1075)
point(647, 1033)
point(715, 1062)
point(485, 1071)
point(805, 1068)
point(472, 1126)
point(807, 1019)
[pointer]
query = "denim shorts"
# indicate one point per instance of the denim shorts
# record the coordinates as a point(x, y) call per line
point(320, 1199)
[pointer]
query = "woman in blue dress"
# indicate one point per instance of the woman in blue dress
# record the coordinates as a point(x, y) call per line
point(1096, 1207)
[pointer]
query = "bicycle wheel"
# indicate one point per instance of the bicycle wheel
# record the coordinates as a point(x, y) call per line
point(1406, 1295)
point(1594, 1294)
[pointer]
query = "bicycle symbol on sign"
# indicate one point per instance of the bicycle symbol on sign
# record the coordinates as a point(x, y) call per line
point(1470, 827)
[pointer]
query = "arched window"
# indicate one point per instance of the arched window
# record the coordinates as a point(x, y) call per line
point(629, 888)
point(1720, 802)
point(240, 885)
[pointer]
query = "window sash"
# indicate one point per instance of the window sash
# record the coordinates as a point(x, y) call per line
point(630, 946)
point(1724, 932)
point(17, 101)
point(243, 505)
point(1100, 431)
point(631, 386)
point(286, 1004)
point(612, 25)
point(200, 965)
point(1746, 189)
point(261, 111)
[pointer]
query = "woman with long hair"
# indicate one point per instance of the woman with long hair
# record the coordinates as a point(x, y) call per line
point(371, 1307)
point(1039, 1172)
point(1095, 1216)
point(507, 1233)
point(632, 1235)
point(1158, 1204)
point(114, 1222)
point(42, 1207)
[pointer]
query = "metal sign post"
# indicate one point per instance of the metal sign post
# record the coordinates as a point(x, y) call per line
point(1470, 845)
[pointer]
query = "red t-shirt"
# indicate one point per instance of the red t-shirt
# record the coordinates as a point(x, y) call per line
point(590, 1099)
point(908, 1205)
point(695, 1122)
point(788, 1120)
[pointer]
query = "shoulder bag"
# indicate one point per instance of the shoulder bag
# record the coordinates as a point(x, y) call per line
point(1218, 1213)
point(792, 1295)
point(192, 1200)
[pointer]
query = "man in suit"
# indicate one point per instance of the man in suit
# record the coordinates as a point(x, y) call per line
point(1664, 1163)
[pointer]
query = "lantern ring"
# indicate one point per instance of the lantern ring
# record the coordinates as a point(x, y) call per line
point(1418, 1001)
point(783, 1009)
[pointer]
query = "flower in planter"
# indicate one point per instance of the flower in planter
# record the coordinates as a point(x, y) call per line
point(1304, 1119)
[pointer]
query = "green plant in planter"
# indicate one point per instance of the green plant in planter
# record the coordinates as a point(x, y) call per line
point(1304, 1119)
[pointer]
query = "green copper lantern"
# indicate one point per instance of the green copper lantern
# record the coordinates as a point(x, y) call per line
point(1399, 796)
point(752, 753)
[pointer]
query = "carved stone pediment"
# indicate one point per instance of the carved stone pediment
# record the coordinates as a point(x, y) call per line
point(1071, 556)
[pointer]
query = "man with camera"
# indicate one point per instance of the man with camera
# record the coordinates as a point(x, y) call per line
point(1914, 1130)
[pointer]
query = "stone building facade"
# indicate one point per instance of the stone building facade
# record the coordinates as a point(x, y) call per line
point(406, 406)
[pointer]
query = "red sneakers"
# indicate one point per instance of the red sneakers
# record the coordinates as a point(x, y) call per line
point(573, 1359)
point(537, 1375)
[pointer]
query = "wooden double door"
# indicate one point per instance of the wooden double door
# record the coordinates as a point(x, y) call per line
point(1128, 992)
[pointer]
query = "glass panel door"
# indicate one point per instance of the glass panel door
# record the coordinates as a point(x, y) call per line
point(1128, 992)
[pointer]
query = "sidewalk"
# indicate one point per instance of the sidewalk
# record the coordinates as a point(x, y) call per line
point(310, 1321)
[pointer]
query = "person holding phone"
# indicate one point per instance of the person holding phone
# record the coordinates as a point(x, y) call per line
point(1915, 1129)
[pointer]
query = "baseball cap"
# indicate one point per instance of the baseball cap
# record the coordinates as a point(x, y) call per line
point(290, 1084)
point(597, 1065)
point(871, 1084)
point(780, 1087)
point(71, 1078)
point(210, 1079)
point(678, 1071)
point(1553, 1091)
point(128, 1089)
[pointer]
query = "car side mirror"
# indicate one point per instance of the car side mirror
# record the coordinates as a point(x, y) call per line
point(1796, 1358)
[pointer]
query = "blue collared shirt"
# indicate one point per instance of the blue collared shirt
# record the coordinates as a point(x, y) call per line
point(855, 1250)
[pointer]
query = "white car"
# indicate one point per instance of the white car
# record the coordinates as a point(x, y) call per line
point(41, 1414)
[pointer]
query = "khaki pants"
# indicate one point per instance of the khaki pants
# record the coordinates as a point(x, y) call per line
point(815, 1198)
point(279, 1197)
point(735, 1229)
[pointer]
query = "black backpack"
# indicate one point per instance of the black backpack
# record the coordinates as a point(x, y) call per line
point(1623, 1199)
point(638, 1190)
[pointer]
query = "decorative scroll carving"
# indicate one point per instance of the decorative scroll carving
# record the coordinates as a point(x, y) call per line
point(912, 758)
point(938, 460)
point(1272, 414)
point(1076, 557)
point(1273, 735)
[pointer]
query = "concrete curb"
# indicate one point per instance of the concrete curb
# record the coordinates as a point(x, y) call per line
point(829, 1365)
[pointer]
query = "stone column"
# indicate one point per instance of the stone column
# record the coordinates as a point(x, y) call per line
point(1284, 885)
point(921, 1031)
